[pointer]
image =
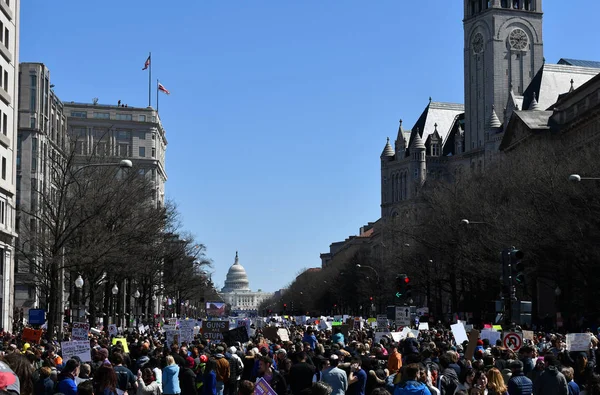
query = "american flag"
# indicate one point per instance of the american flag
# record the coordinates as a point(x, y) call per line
point(163, 89)
point(147, 63)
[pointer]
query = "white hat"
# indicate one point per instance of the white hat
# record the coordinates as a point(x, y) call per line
point(232, 350)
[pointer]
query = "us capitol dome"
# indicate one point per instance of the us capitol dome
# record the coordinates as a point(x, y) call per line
point(236, 291)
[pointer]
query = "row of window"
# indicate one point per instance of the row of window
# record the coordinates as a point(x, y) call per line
point(102, 149)
point(481, 5)
point(4, 79)
point(118, 116)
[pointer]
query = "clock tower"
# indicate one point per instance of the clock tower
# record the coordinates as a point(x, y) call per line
point(503, 49)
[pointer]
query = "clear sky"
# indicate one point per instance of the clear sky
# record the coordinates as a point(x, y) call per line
point(279, 109)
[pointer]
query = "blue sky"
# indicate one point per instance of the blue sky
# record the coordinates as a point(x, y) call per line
point(279, 109)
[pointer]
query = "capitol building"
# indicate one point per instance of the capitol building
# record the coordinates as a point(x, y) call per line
point(237, 293)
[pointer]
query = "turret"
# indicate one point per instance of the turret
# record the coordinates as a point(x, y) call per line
point(419, 165)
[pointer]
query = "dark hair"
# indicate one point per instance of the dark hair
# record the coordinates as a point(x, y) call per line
point(246, 388)
point(147, 375)
point(464, 373)
point(301, 356)
point(71, 366)
point(117, 358)
point(356, 360)
point(23, 369)
point(412, 371)
point(211, 365)
point(105, 378)
point(85, 388)
point(380, 391)
point(550, 359)
point(265, 359)
point(321, 388)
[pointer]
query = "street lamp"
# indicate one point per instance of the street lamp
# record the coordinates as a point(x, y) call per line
point(115, 291)
point(78, 286)
point(578, 178)
point(136, 296)
point(467, 222)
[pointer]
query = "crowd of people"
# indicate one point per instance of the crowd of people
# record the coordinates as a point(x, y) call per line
point(311, 362)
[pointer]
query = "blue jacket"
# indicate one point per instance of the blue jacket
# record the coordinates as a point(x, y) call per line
point(170, 380)
point(209, 383)
point(337, 338)
point(520, 385)
point(412, 387)
point(67, 386)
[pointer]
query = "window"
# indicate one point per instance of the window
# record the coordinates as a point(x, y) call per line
point(79, 114)
point(102, 115)
point(6, 80)
point(3, 168)
point(123, 135)
point(5, 124)
point(153, 136)
point(142, 136)
point(124, 150)
point(3, 211)
point(6, 37)
point(142, 118)
point(19, 145)
point(153, 152)
point(32, 93)
point(416, 175)
point(124, 117)
point(142, 152)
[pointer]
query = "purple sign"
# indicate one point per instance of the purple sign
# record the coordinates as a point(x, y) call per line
point(261, 387)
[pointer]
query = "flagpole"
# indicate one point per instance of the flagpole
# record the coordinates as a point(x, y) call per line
point(150, 82)
point(157, 95)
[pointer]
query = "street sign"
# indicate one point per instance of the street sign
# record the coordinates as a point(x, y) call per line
point(402, 316)
point(37, 316)
point(512, 340)
point(382, 321)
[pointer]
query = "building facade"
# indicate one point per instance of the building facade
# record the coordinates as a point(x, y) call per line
point(504, 73)
point(121, 132)
point(42, 137)
point(236, 291)
point(9, 77)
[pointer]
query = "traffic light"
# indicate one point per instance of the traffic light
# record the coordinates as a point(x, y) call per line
point(284, 306)
point(517, 266)
point(402, 282)
point(370, 298)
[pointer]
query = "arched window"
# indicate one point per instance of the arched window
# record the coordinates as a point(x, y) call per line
point(405, 187)
point(401, 186)
point(393, 188)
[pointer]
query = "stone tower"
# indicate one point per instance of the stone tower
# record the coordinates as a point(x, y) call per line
point(503, 48)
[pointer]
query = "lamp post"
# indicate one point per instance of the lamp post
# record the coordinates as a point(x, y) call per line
point(115, 291)
point(136, 296)
point(78, 286)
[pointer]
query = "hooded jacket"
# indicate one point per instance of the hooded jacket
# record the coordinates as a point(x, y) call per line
point(170, 380)
point(551, 382)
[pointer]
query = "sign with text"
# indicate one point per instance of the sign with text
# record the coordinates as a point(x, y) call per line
point(32, 335)
point(261, 387)
point(402, 316)
point(186, 327)
point(76, 348)
point(382, 321)
point(80, 331)
point(112, 330)
point(213, 330)
point(579, 341)
point(37, 316)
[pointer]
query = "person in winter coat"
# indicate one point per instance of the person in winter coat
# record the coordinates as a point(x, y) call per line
point(519, 384)
point(448, 377)
point(187, 377)
point(170, 379)
point(552, 381)
point(147, 384)
point(412, 385)
point(44, 385)
point(66, 380)
point(209, 378)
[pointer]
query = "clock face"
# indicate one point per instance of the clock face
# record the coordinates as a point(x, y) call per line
point(518, 39)
point(478, 43)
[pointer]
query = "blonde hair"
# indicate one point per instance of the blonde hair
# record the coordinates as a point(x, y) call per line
point(170, 360)
point(496, 381)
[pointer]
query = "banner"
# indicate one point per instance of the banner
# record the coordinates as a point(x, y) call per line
point(213, 330)
point(216, 309)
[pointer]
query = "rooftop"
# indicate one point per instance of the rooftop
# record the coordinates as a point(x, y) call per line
point(581, 63)
point(108, 106)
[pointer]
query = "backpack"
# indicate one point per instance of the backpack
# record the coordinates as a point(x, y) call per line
point(447, 385)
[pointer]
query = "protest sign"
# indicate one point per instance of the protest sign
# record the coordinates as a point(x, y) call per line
point(80, 331)
point(173, 337)
point(424, 326)
point(186, 328)
point(32, 335)
point(77, 348)
point(123, 342)
point(213, 330)
point(261, 387)
point(112, 330)
point(239, 334)
point(460, 335)
point(579, 341)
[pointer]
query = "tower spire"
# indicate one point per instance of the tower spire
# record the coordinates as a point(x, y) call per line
point(236, 258)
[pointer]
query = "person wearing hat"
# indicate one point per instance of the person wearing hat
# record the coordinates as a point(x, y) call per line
point(335, 377)
point(519, 384)
point(236, 366)
point(223, 370)
point(187, 377)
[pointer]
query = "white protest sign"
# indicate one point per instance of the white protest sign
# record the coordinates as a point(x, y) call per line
point(80, 331)
point(424, 326)
point(491, 335)
point(460, 335)
point(112, 330)
point(579, 341)
point(186, 328)
point(173, 337)
point(78, 348)
point(380, 334)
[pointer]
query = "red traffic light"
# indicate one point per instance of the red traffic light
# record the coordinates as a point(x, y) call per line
point(371, 298)
point(406, 280)
point(285, 305)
